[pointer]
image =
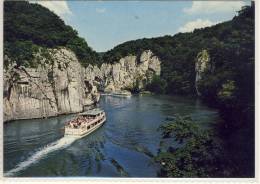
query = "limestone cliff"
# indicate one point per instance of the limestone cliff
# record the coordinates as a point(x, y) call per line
point(60, 85)
point(202, 65)
point(56, 86)
point(128, 73)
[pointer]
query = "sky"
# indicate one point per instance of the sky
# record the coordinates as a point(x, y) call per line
point(105, 24)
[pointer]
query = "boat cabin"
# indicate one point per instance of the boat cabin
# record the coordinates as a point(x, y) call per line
point(89, 118)
point(85, 122)
point(92, 113)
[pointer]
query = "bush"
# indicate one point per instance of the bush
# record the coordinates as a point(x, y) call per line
point(197, 154)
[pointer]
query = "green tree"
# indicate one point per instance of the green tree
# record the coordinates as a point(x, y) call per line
point(157, 85)
point(195, 155)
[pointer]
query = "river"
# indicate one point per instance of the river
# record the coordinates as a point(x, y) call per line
point(122, 147)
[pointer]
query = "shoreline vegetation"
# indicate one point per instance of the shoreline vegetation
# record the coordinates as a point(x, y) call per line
point(199, 154)
point(226, 82)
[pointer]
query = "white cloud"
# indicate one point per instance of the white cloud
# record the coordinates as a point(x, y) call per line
point(210, 7)
point(199, 23)
point(61, 8)
point(100, 10)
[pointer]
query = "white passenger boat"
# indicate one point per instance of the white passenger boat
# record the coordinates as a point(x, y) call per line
point(85, 123)
point(123, 93)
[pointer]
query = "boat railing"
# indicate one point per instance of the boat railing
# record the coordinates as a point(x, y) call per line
point(85, 124)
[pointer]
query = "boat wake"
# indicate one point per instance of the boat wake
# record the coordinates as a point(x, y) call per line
point(57, 145)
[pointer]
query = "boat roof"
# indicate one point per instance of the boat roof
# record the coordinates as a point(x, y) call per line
point(92, 112)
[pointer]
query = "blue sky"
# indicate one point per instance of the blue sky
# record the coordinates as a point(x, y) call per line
point(105, 24)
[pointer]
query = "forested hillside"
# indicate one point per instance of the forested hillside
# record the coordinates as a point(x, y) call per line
point(231, 50)
point(178, 52)
point(228, 85)
point(29, 27)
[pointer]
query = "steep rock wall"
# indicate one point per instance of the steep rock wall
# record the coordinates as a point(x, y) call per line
point(202, 64)
point(56, 86)
point(130, 72)
point(60, 85)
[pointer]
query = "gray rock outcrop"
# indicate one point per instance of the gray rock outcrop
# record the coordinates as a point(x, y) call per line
point(130, 72)
point(56, 86)
point(202, 65)
point(60, 85)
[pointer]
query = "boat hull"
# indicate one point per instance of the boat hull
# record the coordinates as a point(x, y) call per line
point(70, 132)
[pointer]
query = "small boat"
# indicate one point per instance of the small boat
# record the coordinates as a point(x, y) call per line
point(123, 93)
point(85, 123)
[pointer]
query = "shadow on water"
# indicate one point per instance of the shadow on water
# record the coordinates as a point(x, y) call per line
point(119, 168)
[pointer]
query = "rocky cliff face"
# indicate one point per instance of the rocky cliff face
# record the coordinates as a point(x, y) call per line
point(60, 85)
point(129, 73)
point(202, 65)
point(56, 86)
